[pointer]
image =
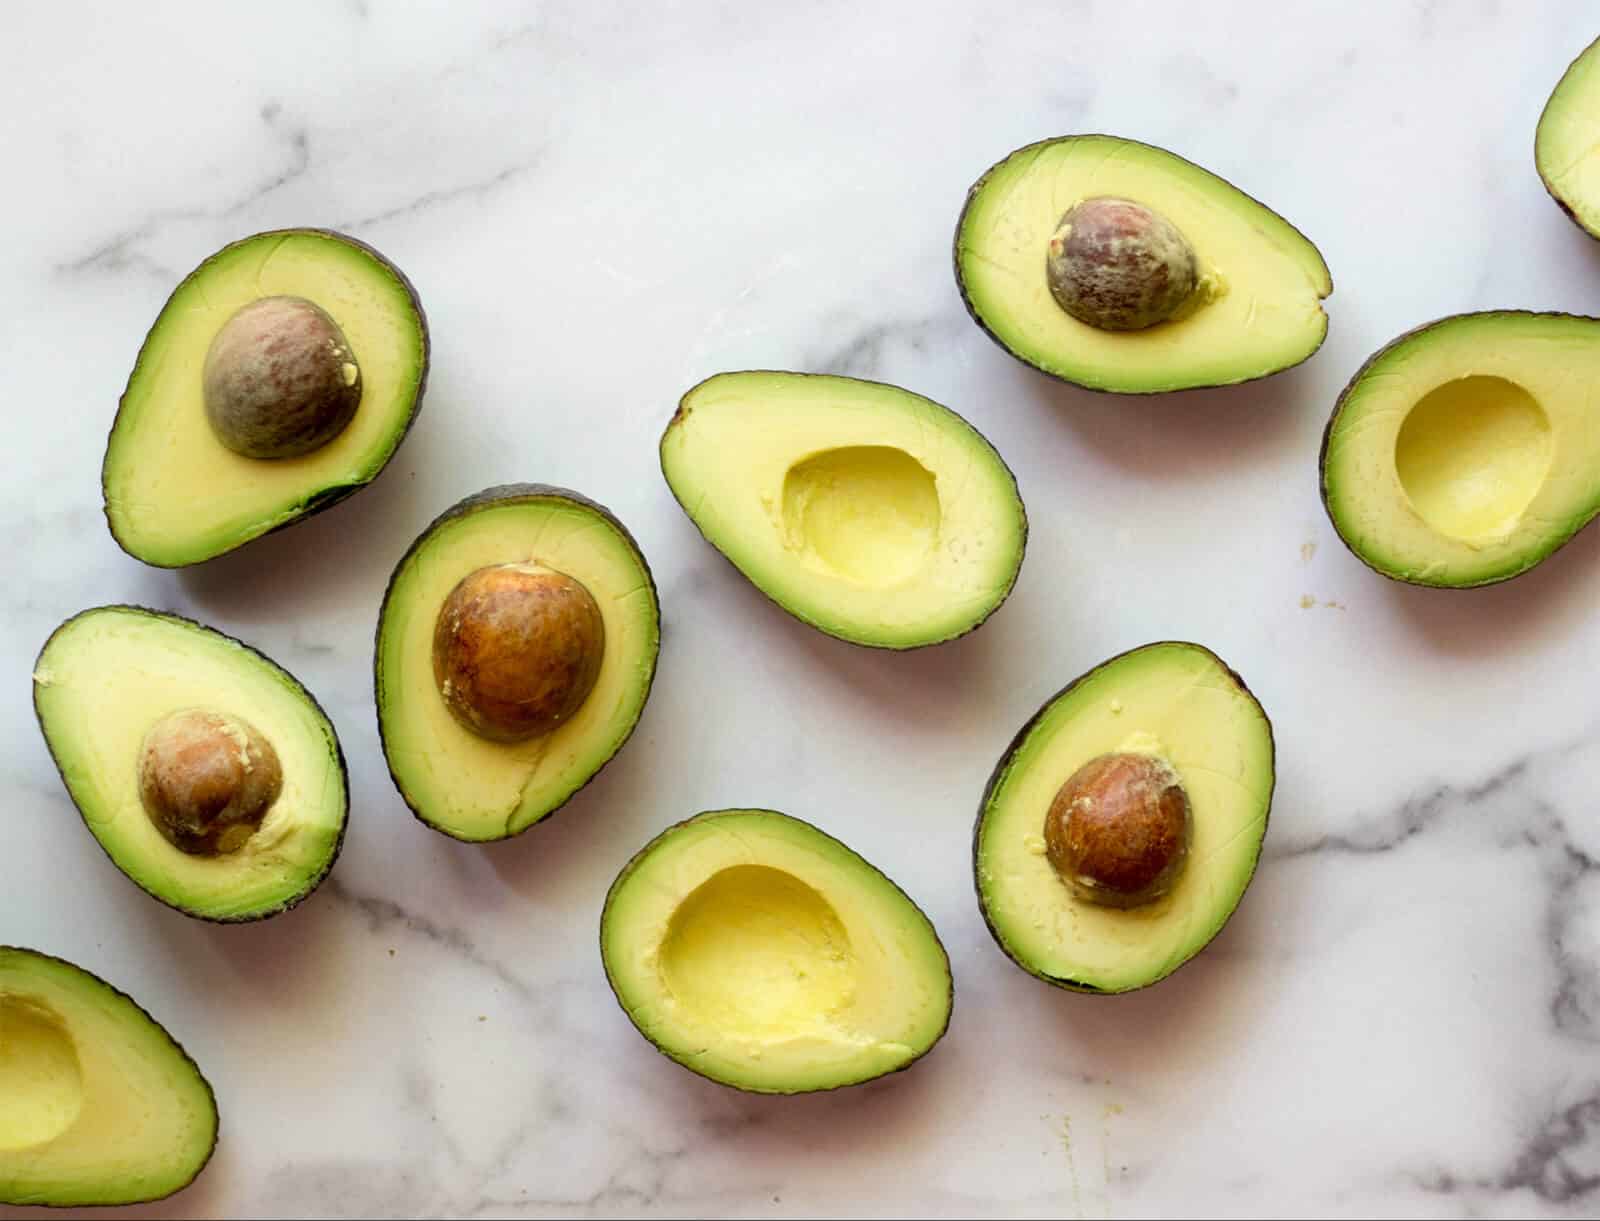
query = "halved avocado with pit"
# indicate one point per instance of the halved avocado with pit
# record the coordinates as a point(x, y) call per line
point(99, 1105)
point(278, 379)
point(1466, 451)
point(1566, 147)
point(516, 648)
point(760, 952)
point(206, 772)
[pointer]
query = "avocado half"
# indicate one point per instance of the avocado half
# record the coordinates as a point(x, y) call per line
point(1464, 452)
point(460, 783)
point(174, 493)
point(1174, 700)
point(869, 512)
point(760, 952)
point(107, 676)
point(101, 1104)
point(1566, 145)
point(1256, 310)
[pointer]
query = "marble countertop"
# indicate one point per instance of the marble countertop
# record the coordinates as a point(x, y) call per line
point(599, 209)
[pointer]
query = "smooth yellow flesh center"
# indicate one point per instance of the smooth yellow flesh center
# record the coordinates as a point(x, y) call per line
point(1471, 455)
point(867, 512)
point(41, 1083)
point(755, 951)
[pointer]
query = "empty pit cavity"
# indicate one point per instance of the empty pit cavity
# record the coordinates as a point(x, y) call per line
point(866, 512)
point(755, 951)
point(1472, 454)
point(41, 1081)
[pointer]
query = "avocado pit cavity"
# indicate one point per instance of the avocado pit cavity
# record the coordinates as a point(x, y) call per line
point(207, 779)
point(1118, 830)
point(1119, 266)
point(869, 513)
point(516, 650)
point(41, 1079)
point(280, 379)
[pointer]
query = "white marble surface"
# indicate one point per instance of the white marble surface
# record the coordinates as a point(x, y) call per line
point(599, 209)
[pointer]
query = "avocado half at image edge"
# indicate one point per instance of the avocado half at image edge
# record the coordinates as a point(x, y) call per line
point(871, 513)
point(1566, 146)
point(1179, 707)
point(101, 1105)
point(457, 778)
point(760, 952)
point(1255, 308)
point(1464, 452)
point(206, 772)
point(175, 492)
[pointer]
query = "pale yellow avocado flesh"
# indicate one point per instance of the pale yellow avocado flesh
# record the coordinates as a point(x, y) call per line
point(108, 675)
point(1257, 308)
point(471, 787)
point(97, 1104)
point(1172, 700)
point(762, 953)
point(1467, 451)
point(865, 510)
point(1567, 143)
point(174, 493)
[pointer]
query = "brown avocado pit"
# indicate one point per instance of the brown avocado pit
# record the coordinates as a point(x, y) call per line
point(280, 379)
point(516, 650)
point(1118, 830)
point(207, 779)
point(1117, 265)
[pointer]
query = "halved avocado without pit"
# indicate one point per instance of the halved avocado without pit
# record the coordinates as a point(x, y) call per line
point(278, 379)
point(99, 1105)
point(762, 953)
point(1566, 147)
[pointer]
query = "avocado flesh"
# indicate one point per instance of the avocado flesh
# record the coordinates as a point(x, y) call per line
point(107, 675)
point(758, 951)
point(1177, 701)
point(1566, 148)
point(174, 494)
point(867, 511)
point(468, 786)
point(98, 1104)
point(1257, 309)
point(1466, 451)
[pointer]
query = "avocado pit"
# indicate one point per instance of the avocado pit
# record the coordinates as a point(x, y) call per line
point(207, 779)
point(516, 650)
point(1118, 830)
point(280, 379)
point(1117, 265)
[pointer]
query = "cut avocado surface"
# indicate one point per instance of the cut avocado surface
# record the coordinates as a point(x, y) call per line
point(1175, 703)
point(1466, 451)
point(762, 953)
point(455, 778)
point(1566, 148)
point(106, 685)
point(98, 1104)
point(865, 510)
point(1256, 308)
point(175, 493)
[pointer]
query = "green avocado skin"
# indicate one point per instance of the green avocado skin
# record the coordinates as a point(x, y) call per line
point(1534, 557)
point(324, 498)
point(505, 493)
point(176, 1046)
point(643, 854)
point(1550, 188)
point(344, 771)
point(976, 189)
point(1003, 765)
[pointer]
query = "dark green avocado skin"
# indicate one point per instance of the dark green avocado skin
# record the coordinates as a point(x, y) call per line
point(1549, 186)
point(506, 493)
point(326, 498)
point(176, 1046)
point(1002, 767)
point(344, 771)
point(640, 856)
point(972, 312)
point(1022, 513)
point(1534, 558)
